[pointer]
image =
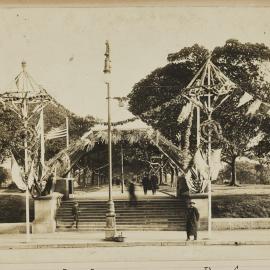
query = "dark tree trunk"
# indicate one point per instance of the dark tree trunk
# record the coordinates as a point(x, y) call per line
point(234, 178)
point(172, 176)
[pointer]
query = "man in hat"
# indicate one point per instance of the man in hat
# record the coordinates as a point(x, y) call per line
point(192, 220)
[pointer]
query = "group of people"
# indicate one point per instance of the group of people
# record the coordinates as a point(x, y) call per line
point(150, 183)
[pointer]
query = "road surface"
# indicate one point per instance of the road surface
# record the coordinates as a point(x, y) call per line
point(150, 258)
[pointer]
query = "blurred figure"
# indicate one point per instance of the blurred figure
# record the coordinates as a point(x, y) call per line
point(75, 213)
point(154, 183)
point(192, 220)
point(145, 183)
point(132, 195)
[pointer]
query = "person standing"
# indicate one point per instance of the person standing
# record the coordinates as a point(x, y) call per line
point(132, 195)
point(145, 183)
point(154, 183)
point(193, 217)
point(75, 213)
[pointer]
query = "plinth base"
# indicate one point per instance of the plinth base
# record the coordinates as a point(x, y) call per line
point(45, 210)
point(110, 229)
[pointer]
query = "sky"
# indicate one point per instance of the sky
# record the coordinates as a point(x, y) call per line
point(64, 47)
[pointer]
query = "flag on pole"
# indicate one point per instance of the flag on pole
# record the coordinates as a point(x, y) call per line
point(201, 164)
point(16, 174)
point(56, 133)
point(215, 163)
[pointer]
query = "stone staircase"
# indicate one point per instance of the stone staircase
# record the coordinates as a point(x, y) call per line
point(149, 215)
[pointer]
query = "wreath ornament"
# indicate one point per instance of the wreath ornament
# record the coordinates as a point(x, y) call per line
point(213, 128)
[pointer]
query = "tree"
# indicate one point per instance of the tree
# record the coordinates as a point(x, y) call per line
point(10, 124)
point(240, 62)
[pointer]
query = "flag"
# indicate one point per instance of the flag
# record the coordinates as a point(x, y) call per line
point(31, 175)
point(184, 114)
point(39, 126)
point(201, 165)
point(254, 107)
point(215, 163)
point(16, 173)
point(264, 108)
point(244, 99)
point(56, 133)
point(255, 140)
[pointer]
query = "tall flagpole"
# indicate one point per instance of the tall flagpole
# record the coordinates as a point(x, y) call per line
point(42, 139)
point(122, 170)
point(209, 159)
point(26, 164)
point(67, 144)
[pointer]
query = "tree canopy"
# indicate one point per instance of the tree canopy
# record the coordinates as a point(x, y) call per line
point(242, 63)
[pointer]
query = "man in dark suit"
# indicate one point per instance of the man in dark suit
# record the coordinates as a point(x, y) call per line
point(193, 217)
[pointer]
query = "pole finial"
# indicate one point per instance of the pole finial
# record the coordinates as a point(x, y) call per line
point(107, 63)
point(23, 65)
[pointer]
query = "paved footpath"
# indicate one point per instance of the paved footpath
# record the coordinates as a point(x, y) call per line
point(133, 239)
point(147, 238)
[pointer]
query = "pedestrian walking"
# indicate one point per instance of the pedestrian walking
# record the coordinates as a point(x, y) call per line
point(132, 195)
point(154, 183)
point(145, 183)
point(192, 220)
point(75, 213)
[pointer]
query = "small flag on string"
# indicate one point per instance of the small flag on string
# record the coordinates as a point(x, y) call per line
point(244, 99)
point(184, 114)
point(264, 108)
point(254, 107)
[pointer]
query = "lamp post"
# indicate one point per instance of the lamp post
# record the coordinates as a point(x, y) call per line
point(110, 230)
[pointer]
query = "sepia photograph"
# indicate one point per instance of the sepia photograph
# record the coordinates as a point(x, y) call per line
point(134, 135)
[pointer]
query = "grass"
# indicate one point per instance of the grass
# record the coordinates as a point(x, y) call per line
point(12, 208)
point(241, 206)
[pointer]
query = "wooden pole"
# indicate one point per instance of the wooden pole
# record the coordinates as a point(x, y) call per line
point(42, 141)
point(26, 171)
point(67, 144)
point(122, 170)
point(209, 159)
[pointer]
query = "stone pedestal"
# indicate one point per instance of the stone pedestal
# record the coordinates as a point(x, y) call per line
point(110, 230)
point(201, 203)
point(45, 210)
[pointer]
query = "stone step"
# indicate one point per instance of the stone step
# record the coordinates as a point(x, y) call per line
point(157, 214)
point(125, 220)
point(120, 229)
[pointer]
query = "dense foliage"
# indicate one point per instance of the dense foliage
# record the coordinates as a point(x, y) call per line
point(242, 63)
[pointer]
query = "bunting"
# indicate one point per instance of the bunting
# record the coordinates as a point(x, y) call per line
point(254, 107)
point(244, 99)
point(257, 106)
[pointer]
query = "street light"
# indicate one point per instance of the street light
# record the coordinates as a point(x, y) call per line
point(110, 230)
